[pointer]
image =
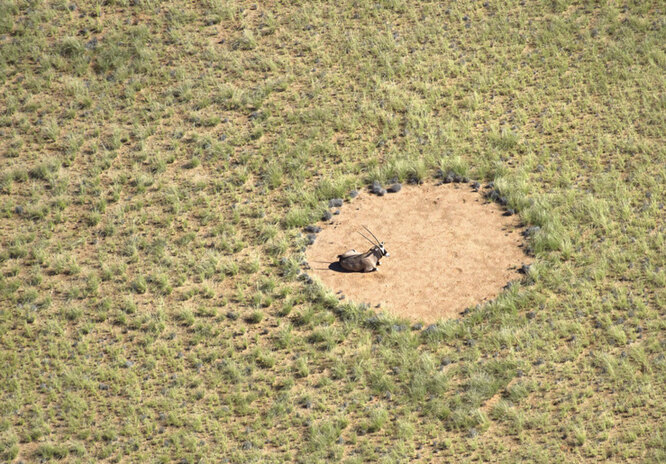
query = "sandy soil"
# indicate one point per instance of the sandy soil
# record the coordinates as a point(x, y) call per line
point(449, 249)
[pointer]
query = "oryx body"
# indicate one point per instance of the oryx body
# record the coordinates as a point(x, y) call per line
point(348, 253)
point(363, 262)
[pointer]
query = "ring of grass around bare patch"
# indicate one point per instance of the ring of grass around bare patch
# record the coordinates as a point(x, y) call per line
point(449, 249)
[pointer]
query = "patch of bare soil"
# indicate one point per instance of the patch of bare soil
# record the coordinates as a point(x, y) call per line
point(449, 249)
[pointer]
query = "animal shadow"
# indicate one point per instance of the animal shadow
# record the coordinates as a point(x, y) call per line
point(335, 267)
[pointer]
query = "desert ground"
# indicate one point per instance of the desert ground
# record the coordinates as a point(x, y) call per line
point(449, 249)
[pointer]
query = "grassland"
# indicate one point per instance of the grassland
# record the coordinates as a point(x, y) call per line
point(157, 163)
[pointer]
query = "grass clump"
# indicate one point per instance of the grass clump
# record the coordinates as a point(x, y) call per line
point(300, 217)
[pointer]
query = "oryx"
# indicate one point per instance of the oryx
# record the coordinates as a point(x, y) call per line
point(363, 262)
point(348, 253)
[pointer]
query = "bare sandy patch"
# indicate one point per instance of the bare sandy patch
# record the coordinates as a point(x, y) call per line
point(449, 249)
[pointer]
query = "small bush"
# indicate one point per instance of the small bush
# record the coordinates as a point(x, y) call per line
point(139, 285)
point(264, 359)
point(51, 451)
point(376, 420)
point(193, 163)
point(71, 47)
point(255, 317)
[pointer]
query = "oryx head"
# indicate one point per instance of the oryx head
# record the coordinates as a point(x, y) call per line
point(383, 249)
point(376, 244)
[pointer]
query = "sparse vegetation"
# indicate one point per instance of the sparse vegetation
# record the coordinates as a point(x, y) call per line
point(157, 164)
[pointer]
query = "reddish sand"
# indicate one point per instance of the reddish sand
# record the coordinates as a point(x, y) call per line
point(449, 249)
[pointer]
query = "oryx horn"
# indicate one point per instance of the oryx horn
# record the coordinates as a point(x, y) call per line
point(373, 235)
point(373, 243)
